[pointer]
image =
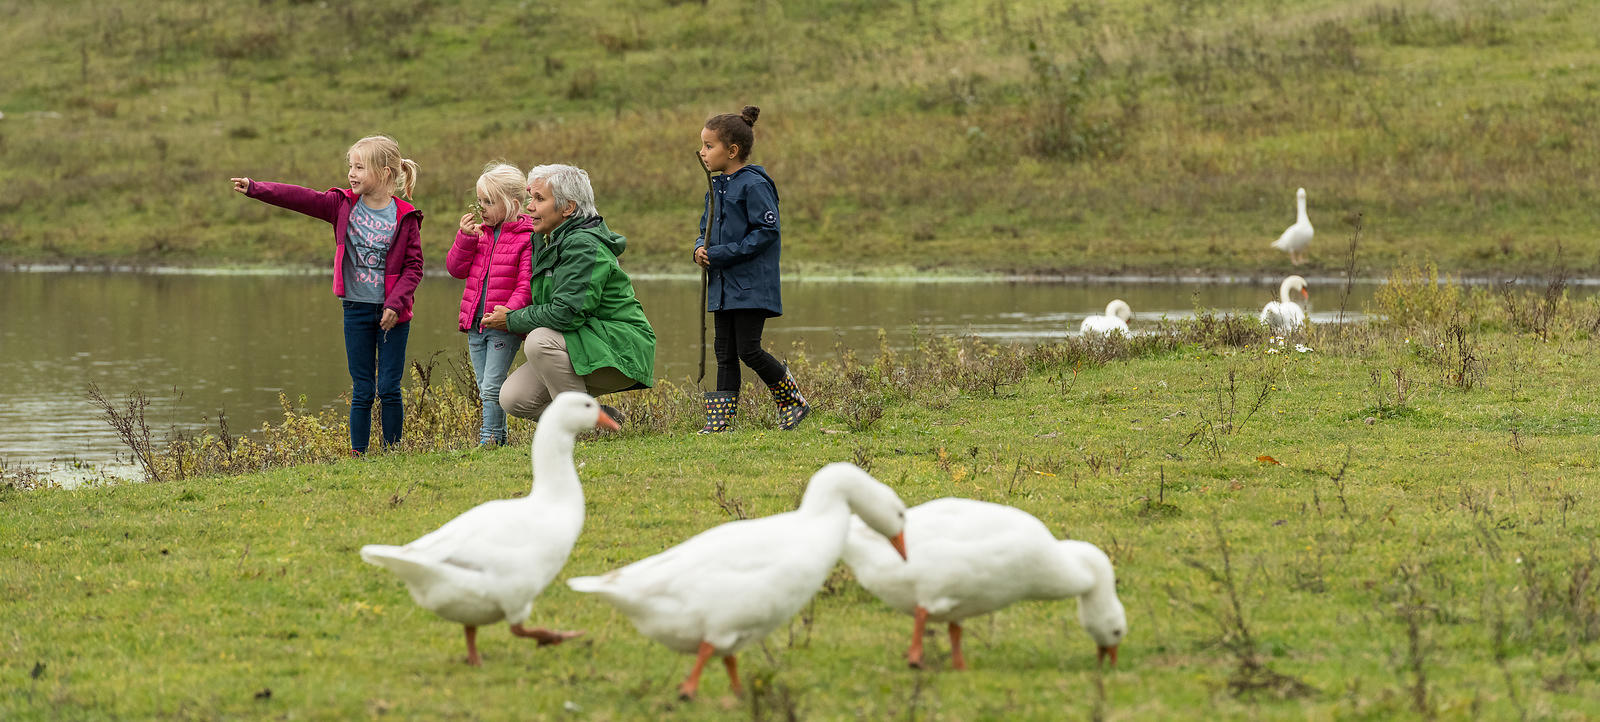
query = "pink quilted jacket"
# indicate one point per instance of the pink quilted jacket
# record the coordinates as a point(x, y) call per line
point(508, 262)
point(403, 266)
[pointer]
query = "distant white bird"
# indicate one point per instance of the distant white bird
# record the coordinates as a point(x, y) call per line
point(965, 558)
point(731, 585)
point(488, 564)
point(1296, 237)
point(1114, 321)
point(1284, 315)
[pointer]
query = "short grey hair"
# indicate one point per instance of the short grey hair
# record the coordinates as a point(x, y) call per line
point(567, 184)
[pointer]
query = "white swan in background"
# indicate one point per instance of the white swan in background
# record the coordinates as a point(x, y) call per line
point(730, 585)
point(1114, 321)
point(966, 558)
point(488, 564)
point(1296, 237)
point(1284, 315)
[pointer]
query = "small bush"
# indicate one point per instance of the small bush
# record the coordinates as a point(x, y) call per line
point(1418, 297)
point(1067, 121)
point(584, 85)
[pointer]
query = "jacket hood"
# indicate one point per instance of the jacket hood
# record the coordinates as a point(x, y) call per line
point(596, 226)
point(401, 206)
point(758, 170)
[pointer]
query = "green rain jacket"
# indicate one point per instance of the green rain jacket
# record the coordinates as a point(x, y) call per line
point(581, 291)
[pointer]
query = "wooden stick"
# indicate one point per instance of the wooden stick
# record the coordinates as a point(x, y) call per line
point(705, 275)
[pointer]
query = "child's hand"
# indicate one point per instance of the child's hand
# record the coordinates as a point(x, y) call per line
point(496, 320)
point(700, 257)
point(241, 185)
point(468, 226)
point(390, 318)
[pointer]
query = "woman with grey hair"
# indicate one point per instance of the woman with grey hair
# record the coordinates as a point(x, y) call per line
point(586, 330)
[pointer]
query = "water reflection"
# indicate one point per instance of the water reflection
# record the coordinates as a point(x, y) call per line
point(197, 344)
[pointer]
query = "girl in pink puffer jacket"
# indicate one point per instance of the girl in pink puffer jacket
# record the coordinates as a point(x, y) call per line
point(494, 254)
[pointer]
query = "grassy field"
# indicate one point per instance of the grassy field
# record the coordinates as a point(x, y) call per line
point(1397, 523)
point(994, 135)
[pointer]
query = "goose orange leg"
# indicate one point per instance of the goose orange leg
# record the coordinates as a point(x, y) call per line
point(687, 689)
point(919, 624)
point(733, 674)
point(544, 636)
point(956, 660)
point(472, 646)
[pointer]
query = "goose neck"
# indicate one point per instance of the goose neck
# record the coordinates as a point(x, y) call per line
point(824, 496)
point(1081, 569)
point(554, 474)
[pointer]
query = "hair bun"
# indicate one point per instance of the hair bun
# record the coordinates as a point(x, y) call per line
point(750, 113)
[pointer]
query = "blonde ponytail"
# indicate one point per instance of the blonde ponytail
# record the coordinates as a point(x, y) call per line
point(406, 181)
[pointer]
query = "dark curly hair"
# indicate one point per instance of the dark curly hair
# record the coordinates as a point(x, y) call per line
point(736, 129)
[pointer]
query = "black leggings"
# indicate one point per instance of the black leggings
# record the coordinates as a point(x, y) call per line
point(739, 339)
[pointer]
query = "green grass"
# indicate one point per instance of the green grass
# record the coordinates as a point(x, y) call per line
point(1138, 137)
point(1464, 520)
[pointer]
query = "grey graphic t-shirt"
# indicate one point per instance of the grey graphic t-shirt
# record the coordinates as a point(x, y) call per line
point(366, 250)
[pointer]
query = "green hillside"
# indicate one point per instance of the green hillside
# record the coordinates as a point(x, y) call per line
point(989, 135)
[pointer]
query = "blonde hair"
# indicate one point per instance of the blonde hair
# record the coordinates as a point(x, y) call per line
point(502, 183)
point(380, 151)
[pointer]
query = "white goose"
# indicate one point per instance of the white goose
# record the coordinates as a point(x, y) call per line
point(488, 564)
point(1296, 237)
point(1114, 321)
point(966, 558)
point(731, 585)
point(1284, 315)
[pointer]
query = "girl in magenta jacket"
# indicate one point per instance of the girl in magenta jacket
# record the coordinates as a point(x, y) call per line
point(377, 264)
point(494, 255)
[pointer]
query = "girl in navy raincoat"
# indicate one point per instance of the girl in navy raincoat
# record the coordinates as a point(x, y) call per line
point(741, 262)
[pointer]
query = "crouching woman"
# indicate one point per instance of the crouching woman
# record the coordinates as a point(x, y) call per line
point(585, 329)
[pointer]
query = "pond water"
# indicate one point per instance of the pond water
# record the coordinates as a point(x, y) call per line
point(199, 343)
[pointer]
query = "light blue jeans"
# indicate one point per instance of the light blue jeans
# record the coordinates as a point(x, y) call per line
point(492, 351)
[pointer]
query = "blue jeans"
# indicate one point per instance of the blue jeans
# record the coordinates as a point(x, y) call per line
point(377, 361)
point(492, 351)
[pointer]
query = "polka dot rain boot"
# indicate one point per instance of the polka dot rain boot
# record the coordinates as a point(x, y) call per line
point(720, 407)
point(792, 407)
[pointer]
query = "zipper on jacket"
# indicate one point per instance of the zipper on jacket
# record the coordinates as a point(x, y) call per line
point(483, 291)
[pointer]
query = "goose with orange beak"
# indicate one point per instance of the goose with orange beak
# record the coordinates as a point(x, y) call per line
point(729, 586)
point(1285, 316)
point(488, 564)
point(967, 558)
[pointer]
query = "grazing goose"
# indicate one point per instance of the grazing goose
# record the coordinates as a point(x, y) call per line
point(488, 564)
point(1296, 237)
point(1284, 315)
point(965, 558)
point(731, 585)
point(1114, 321)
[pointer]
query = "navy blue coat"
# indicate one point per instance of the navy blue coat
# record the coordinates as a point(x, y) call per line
point(743, 256)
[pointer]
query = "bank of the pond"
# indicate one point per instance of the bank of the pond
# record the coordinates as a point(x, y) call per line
point(229, 341)
point(1356, 485)
point(802, 273)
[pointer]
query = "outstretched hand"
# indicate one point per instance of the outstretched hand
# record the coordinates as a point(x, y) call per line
point(241, 185)
point(497, 319)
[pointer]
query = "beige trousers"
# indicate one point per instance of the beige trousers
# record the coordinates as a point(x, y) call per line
point(529, 389)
